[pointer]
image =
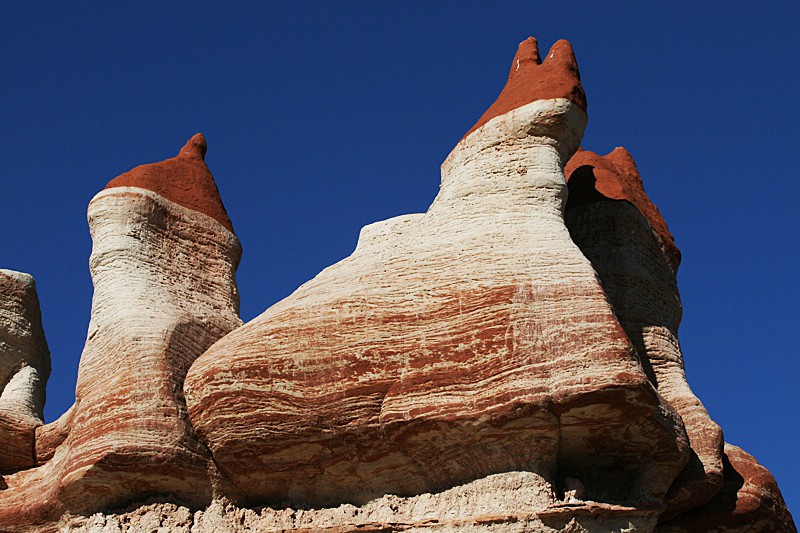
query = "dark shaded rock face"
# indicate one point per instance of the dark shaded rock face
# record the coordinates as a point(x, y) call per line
point(507, 361)
point(635, 266)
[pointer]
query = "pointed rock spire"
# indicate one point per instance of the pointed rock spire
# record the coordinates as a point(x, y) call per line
point(614, 176)
point(531, 79)
point(195, 147)
point(184, 179)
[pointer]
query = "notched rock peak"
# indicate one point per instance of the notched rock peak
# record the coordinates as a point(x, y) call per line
point(532, 79)
point(184, 179)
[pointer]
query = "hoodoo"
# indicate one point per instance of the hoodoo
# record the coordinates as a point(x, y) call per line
point(506, 361)
point(163, 262)
point(473, 340)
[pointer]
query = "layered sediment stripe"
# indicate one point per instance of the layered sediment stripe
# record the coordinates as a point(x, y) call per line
point(468, 341)
point(164, 292)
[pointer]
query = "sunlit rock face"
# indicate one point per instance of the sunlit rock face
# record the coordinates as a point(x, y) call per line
point(163, 262)
point(507, 361)
point(471, 340)
point(163, 269)
point(24, 368)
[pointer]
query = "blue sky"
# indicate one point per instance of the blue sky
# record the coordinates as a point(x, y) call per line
point(322, 117)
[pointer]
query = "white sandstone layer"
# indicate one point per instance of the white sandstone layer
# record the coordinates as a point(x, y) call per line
point(164, 291)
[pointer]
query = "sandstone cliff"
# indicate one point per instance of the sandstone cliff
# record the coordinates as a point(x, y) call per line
point(506, 361)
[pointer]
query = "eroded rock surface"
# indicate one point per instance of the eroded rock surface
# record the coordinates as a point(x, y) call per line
point(625, 237)
point(499, 503)
point(468, 341)
point(748, 502)
point(506, 361)
point(24, 368)
point(164, 292)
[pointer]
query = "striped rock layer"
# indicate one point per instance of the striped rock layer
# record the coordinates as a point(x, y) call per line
point(506, 361)
point(24, 368)
point(636, 265)
point(471, 340)
point(164, 292)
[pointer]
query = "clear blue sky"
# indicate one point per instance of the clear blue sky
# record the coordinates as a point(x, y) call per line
point(323, 117)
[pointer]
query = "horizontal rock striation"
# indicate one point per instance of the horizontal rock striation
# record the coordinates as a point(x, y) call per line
point(468, 341)
point(164, 292)
point(24, 369)
point(499, 503)
point(506, 361)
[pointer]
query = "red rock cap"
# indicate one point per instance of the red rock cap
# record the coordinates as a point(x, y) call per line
point(184, 179)
point(617, 178)
point(530, 79)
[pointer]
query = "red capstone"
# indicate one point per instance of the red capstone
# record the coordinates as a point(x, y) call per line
point(615, 177)
point(531, 79)
point(184, 179)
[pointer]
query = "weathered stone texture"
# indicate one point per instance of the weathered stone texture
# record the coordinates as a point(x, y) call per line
point(631, 249)
point(472, 340)
point(507, 361)
point(748, 502)
point(164, 292)
point(499, 503)
point(24, 369)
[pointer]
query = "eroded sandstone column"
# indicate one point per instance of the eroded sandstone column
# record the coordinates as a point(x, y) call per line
point(625, 237)
point(163, 261)
point(24, 368)
point(470, 340)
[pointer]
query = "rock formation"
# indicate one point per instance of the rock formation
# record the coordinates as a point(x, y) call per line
point(24, 368)
point(163, 261)
point(624, 236)
point(506, 361)
point(468, 341)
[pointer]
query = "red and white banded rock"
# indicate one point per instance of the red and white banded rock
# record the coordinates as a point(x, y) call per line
point(163, 262)
point(493, 364)
point(24, 369)
point(468, 341)
point(748, 502)
point(625, 237)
